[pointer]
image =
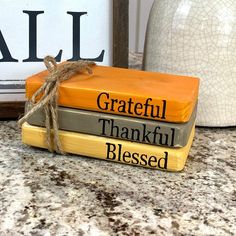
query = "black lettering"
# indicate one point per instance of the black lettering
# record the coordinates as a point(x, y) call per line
point(162, 163)
point(99, 101)
point(122, 107)
point(76, 39)
point(135, 132)
point(130, 102)
point(111, 148)
point(6, 55)
point(146, 105)
point(104, 121)
point(33, 38)
point(155, 134)
point(125, 133)
point(172, 137)
point(143, 161)
point(137, 107)
point(164, 142)
point(126, 154)
point(113, 101)
point(157, 108)
point(145, 134)
point(135, 159)
point(152, 160)
point(114, 128)
point(164, 110)
point(119, 153)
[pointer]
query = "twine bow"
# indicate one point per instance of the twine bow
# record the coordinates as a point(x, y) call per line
point(49, 92)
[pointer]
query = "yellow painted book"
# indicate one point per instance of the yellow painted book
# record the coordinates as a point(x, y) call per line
point(145, 155)
point(142, 94)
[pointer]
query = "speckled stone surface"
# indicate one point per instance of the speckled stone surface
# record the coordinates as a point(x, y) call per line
point(49, 194)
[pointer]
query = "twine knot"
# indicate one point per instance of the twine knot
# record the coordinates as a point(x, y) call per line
point(49, 92)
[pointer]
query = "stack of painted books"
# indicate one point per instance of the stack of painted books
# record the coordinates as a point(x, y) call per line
point(133, 117)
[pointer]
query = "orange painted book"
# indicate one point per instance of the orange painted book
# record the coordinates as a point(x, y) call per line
point(148, 95)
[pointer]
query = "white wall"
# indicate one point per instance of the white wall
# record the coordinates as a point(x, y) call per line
point(139, 12)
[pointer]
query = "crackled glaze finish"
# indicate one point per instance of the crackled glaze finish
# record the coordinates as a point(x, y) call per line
point(198, 38)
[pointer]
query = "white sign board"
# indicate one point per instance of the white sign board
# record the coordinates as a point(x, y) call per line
point(67, 30)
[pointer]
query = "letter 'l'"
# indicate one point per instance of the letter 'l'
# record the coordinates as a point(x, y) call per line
point(33, 38)
point(76, 39)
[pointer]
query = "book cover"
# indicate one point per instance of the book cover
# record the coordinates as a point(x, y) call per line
point(126, 152)
point(148, 95)
point(120, 127)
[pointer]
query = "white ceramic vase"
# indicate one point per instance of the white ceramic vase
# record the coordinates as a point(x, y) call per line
point(197, 38)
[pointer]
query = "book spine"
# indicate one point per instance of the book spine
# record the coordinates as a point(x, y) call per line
point(112, 150)
point(119, 127)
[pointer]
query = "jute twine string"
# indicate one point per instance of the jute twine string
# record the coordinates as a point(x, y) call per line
point(49, 92)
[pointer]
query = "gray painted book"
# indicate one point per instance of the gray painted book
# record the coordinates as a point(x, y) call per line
point(120, 127)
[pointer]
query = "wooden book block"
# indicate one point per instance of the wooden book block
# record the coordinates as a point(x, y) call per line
point(126, 152)
point(120, 127)
point(148, 95)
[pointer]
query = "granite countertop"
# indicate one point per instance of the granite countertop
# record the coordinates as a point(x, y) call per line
point(49, 194)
